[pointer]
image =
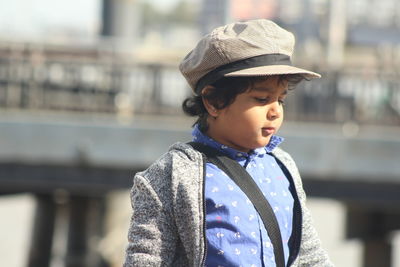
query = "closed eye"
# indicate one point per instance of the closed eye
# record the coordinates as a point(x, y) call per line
point(267, 100)
point(262, 100)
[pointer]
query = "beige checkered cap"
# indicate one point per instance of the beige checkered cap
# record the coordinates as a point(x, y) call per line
point(252, 48)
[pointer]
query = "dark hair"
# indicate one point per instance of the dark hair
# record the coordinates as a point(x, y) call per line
point(224, 93)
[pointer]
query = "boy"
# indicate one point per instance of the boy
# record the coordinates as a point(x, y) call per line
point(186, 211)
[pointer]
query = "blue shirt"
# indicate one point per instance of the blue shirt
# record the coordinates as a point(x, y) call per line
point(235, 233)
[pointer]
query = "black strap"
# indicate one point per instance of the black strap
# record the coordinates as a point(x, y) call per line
point(246, 183)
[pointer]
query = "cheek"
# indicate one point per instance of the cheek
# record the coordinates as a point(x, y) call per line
point(280, 121)
point(252, 117)
point(252, 122)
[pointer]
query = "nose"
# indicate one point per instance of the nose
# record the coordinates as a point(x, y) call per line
point(274, 111)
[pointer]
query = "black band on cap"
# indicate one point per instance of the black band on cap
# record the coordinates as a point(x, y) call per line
point(258, 61)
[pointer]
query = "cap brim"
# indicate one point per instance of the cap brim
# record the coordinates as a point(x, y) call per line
point(273, 70)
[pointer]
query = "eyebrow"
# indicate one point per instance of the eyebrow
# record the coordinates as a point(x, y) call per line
point(262, 89)
point(268, 89)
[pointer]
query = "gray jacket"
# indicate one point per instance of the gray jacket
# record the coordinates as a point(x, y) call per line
point(167, 226)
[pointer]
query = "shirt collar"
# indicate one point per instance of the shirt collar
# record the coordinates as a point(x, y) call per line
point(200, 137)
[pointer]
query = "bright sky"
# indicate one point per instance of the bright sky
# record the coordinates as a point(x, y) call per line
point(21, 17)
point(36, 17)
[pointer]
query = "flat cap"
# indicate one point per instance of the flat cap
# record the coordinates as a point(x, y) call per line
point(251, 48)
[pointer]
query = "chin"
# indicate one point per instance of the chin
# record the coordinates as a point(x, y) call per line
point(261, 144)
point(265, 141)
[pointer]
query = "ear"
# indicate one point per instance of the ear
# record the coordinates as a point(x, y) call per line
point(211, 109)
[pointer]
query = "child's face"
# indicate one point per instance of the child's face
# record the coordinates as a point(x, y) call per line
point(254, 116)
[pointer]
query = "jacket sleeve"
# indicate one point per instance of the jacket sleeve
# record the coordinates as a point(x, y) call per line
point(151, 238)
point(311, 252)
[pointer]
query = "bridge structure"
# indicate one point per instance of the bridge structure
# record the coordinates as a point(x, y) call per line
point(77, 125)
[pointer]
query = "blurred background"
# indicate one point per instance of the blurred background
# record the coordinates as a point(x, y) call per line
point(90, 93)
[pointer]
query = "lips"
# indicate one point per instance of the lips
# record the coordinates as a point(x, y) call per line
point(268, 130)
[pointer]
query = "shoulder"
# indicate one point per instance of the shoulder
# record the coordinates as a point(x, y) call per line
point(184, 151)
point(285, 158)
point(180, 158)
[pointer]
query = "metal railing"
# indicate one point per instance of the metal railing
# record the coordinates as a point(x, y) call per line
point(113, 85)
